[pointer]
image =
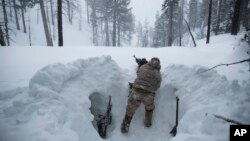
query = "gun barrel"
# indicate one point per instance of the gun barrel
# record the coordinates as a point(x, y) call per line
point(109, 100)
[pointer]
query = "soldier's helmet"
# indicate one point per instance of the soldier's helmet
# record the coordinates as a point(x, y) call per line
point(144, 61)
point(155, 62)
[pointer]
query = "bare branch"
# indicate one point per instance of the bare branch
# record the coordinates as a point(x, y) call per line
point(242, 61)
point(227, 119)
point(190, 32)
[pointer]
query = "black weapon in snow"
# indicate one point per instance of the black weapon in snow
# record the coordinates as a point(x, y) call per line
point(174, 130)
point(140, 62)
point(105, 120)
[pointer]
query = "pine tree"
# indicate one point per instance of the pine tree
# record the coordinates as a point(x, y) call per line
point(139, 32)
point(170, 8)
point(193, 13)
point(236, 18)
point(60, 24)
point(16, 17)
point(2, 41)
point(160, 30)
point(145, 36)
point(209, 21)
point(217, 28)
point(45, 24)
point(6, 21)
point(226, 15)
point(22, 6)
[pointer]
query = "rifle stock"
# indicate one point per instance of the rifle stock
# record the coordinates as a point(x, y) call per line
point(105, 120)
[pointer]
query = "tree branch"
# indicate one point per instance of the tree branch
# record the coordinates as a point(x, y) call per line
point(190, 32)
point(227, 119)
point(242, 61)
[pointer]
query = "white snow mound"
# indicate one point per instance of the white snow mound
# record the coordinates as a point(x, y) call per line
point(55, 106)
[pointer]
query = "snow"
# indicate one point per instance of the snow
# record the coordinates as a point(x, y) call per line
point(46, 93)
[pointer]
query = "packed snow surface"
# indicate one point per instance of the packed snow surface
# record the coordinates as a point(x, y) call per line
point(46, 93)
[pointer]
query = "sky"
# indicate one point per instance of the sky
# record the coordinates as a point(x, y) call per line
point(146, 9)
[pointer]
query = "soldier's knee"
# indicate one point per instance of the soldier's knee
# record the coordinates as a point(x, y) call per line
point(150, 107)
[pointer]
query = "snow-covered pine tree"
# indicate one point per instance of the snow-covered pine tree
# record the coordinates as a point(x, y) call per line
point(160, 30)
point(226, 15)
point(115, 13)
point(236, 17)
point(145, 34)
point(139, 35)
point(125, 18)
point(170, 8)
point(193, 13)
point(126, 27)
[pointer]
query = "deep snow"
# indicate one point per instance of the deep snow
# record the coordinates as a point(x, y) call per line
point(45, 100)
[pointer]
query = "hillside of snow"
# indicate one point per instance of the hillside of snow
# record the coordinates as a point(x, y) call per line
point(46, 93)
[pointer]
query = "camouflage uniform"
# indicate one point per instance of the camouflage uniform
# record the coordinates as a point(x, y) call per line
point(143, 91)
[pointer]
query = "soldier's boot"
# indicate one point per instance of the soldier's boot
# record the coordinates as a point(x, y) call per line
point(125, 124)
point(148, 118)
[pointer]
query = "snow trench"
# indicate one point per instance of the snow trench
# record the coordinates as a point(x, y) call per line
point(56, 104)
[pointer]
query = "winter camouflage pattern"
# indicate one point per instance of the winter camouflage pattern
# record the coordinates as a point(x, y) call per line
point(143, 90)
point(149, 76)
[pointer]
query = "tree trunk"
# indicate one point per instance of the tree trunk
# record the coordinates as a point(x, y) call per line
point(189, 30)
point(48, 20)
point(94, 24)
point(236, 17)
point(6, 22)
point(69, 11)
point(245, 14)
point(119, 33)
point(52, 13)
point(107, 31)
point(23, 19)
point(114, 23)
point(59, 20)
point(37, 17)
point(181, 22)
point(170, 35)
point(2, 42)
point(29, 33)
point(218, 18)
point(209, 21)
point(10, 6)
point(80, 20)
point(87, 7)
point(16, 17)
point(45, 24)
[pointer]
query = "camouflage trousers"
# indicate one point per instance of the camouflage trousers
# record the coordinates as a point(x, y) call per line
point(136, 97)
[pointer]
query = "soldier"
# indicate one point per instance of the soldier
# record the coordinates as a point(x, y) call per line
point(143, 91)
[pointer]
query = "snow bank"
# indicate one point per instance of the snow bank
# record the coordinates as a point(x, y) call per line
point(56, 104)
point(210, 93)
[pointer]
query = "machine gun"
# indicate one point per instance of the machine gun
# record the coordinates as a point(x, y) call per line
point(105, 120)
point(140, 62)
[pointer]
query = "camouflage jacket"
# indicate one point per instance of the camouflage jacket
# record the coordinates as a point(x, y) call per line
point(148, 77)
